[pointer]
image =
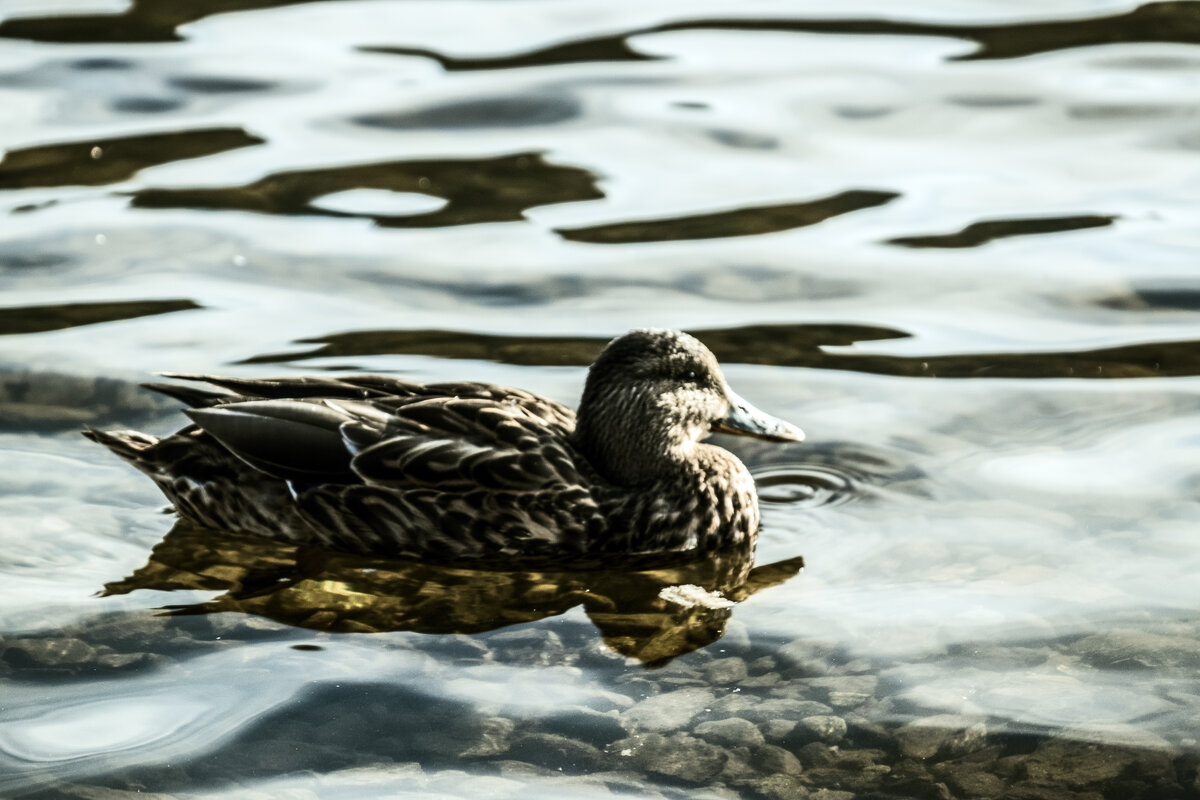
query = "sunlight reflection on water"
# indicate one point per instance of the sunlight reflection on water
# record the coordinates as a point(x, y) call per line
point(954, 245)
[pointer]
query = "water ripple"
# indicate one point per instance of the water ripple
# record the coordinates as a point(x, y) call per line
point(980, 233)
point(805, 485)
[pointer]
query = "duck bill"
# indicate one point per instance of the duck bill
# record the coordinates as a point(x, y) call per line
point(744, 419)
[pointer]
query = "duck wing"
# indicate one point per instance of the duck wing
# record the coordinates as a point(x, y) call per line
point(453, 437)
point(349, 387)
point(463, 444)
point(465, 477)
point(384, 390)
point(293, 440)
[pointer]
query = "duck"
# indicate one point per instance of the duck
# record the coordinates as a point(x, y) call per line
point(467, 471)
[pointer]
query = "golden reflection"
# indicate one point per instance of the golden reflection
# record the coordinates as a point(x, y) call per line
point(649, 611)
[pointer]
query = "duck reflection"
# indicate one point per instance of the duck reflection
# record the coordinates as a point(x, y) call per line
point(647, 610)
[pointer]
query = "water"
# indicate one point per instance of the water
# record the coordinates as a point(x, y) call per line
point(954, 242)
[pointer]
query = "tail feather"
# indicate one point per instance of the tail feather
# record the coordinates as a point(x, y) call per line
point(129, 445)
point(192, 396)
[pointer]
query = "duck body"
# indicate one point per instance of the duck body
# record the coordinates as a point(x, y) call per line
point(469, 471)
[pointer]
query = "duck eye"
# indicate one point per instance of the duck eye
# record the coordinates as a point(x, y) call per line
point(690, 375)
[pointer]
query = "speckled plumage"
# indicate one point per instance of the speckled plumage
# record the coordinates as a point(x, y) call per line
point(453, 471)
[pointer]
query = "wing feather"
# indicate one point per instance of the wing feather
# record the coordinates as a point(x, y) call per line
point(458, 444)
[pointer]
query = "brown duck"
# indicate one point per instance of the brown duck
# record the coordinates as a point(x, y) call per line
point(452, 471)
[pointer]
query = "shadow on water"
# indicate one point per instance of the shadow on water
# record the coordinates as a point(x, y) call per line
point(740, 345)
point(158, 21)
point(602, 48)
point(475, 190)
point(776, 345)
point(516, 111)
point(740, 222)
point(143, 21)
point(36, 319)
point(1155, 298)
point(49, 401)
point(651, 612)
point(492, 190)
point(46, 402)
point(97, 162)
point(1177, 22)
point(980, 233)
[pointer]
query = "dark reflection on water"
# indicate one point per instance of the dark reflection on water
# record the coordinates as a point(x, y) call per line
point(484, 112)
point(602, 48)
point(1149, 298)
point(50, 401)
point(980, 233)
point(157, 21)
point(730, 345)
point(742, 140)
point(651, 612)
point(491, 289)
point(21, 261)
point(143, 21)
point(34, 319)
point(476, 190)
point(214, 84)
point(102, 64)
point(96, 162)
point(1154, 22)
point(741, 222)
point(146, 105)
point(776, 345)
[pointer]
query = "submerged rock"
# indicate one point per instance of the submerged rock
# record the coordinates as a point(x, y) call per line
point(555, 751)
point(585, 725)
point(533, 646)
point(724, 671)
point(777, 730)
point(844, 691)
point(970, 780)
point(775, 760)
point(786, 787)
point(945, 734)
point(670, 711)
point(732, 732)
point(816, 754)
point(679, 756)
point(1133, 649)
point(782, 708)
point(56, 653)
point(491, 737)
point(1076, 764)
point(823, 727)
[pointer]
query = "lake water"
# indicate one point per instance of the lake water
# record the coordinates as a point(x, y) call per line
point(955, 241)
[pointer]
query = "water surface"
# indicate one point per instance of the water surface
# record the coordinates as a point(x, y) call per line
point(955, 242)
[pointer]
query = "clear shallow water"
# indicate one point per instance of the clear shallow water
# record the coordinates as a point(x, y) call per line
point(956, 246)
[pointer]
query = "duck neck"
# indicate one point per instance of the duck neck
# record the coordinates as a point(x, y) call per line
point(625, 451)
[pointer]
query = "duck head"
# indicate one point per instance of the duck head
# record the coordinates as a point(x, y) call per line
point(651, 396)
